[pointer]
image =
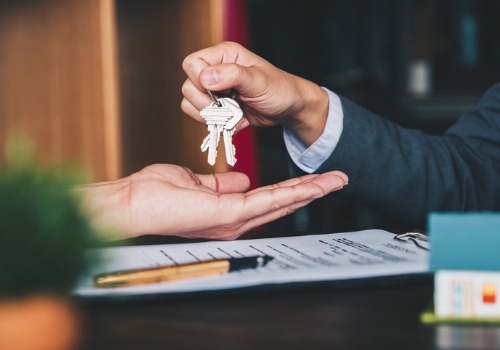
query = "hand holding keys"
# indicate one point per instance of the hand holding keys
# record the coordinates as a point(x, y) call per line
point(221, 115)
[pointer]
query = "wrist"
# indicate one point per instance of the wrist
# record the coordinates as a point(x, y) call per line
point(105, 204)
point(309, 121)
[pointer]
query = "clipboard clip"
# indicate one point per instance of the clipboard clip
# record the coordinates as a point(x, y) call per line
point(416, 237)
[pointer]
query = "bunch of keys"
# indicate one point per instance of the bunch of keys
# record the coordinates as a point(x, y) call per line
point(221, 116)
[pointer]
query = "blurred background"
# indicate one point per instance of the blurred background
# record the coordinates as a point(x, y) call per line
point(99, 81)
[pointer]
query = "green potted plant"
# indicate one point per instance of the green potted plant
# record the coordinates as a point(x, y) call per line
point(43, 237)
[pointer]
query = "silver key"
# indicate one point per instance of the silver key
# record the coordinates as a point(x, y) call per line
point(237, 112)
point(229, 129)
point(229, 147)
point(215, 117)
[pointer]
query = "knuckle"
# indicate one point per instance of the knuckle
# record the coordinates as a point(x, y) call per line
point(185, 88)
point(224, 45)
point(188, 62)
point(185, 106)
point(230, 45)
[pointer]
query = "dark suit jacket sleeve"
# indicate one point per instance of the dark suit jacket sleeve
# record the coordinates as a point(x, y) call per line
point(406, 174)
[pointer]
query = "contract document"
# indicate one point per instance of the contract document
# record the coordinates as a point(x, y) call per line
point(310, 258)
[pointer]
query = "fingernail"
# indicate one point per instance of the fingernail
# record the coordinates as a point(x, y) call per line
point(339, 187)
point(209, 77)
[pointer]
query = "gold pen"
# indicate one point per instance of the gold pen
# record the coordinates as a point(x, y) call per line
point(175, 272)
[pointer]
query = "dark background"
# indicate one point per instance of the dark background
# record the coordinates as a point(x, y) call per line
point(365, 50)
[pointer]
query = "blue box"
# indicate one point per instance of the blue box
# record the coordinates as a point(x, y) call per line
point(464, 241)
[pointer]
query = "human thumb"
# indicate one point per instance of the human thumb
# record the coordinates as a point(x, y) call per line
point(223, 77)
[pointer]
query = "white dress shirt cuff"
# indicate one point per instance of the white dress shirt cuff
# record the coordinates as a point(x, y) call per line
point(310, 159)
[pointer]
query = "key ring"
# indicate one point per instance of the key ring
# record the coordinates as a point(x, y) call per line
point(234, 96)
point(214, 100)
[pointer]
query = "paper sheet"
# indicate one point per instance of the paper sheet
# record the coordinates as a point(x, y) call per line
point(336, 256)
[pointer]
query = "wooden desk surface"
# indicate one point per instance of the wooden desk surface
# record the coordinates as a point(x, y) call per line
point(304, 317)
